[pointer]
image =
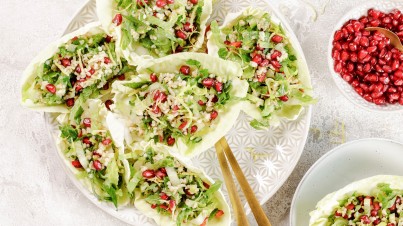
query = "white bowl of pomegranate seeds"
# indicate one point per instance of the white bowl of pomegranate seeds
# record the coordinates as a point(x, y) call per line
point(365, 67)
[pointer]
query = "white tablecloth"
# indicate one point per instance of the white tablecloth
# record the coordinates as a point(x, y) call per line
point(34, 190)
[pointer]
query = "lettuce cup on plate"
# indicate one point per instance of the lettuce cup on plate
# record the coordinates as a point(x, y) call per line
point(279, 84)
point(155, 28)
point(172, 192)
point(92, 152)
point(80, 63)
point(187, 101)
point(372, 201)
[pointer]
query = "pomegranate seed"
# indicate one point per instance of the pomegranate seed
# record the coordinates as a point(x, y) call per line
point(87, 122)
point(215, 99)
point(236, 44)
point(277, 39)
point(153, 77)
point(257, 59)
point(350, 206)
point(364, 219)
point(219, 213)
point(172, 204)
point(367, 97)
point(372, 49)
point(355, 83)
point(86, 140)
point(155, 109)
point(208, 82)
point(206, 185)
point(153, 206)
point(284, 98)
point(117, 20)
point(164, 196)
point(170, 1)
point(107, 60)
point(170, 141)
point(188, 27)
point(182, 125)
point(175, 108)
point(106, 141)
point(201, 103)
point(161, 3)
point(160, 96)
point(193, 129)
point(276, 64)
point(159, 174)
point(92, 71)
point(374, 13)
point(359, 90)
point(264, 63)
point(379, 101)
point(364, 41)
point(398, 82)
point(204, 222)
point(76, 164)
point(213, 115)
point(194, 2)
point(218, 86)
point(362, 54)
point(261, 78)
point(66, 62)
point(164, 206)
point(180, 34)
point(275, 55)
point(337, 214)
point(108, 104)
point(353, 47)
point(338, 35)
point(51, 88)
point(108, 39)
point(121, 77)
point(353, 57)
point(70, 102)
point(97, 165)
point(78, 69)
point(178, 49)
point(148, 174)
point(185, 70)
point(344, 56)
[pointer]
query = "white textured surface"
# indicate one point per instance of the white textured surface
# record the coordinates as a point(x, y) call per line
point(34, 190)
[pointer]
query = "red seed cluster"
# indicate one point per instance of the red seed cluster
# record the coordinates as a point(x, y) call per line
point(367, 60)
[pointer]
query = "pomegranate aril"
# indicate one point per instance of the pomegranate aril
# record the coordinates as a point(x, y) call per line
point(277, 39)
point(398, 82)
point(153, 77)
point(213, 115)
point(97, 165)
point(344, 56)
point(185, 70)
point(353, 47)
point(51, 88)
point(117, 20)
point(218, 87)
point(372, 49)
point(379, 101)
point(257, 59)
point(170, 141)
point(161, 3)
point(108, 104)
point(66, 62)
point(208, 82)
point(76, 164)
point(148, 174)
point(362, 54)
point(87, 122)
point(180, 34)
point(193, 129)
point(367, 97)
point(70, 102)
point(359, 90)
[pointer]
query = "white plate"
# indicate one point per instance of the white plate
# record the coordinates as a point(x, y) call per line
point(346, 89)
point(267, 157)
point(343, 165)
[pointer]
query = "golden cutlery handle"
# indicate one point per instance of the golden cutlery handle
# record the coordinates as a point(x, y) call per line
point(239, 212)
point(257, 210)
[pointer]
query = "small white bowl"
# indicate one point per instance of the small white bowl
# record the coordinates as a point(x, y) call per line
point(346, 89)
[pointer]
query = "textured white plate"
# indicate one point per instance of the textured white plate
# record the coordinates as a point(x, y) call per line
point(345, 88)
point(341, 166)
point(267, 157)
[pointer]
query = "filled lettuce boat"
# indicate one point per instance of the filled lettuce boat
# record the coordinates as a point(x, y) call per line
point(93, 152)
point(155, 28)
point(279, 83)
point(172, 192)
point(80, 63)
point(372, 201)
point(187, 101)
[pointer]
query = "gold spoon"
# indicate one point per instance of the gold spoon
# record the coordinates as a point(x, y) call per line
point(254, 204)
point(394, 39)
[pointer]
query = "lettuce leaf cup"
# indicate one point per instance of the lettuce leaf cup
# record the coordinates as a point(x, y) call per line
point(92, 152)
point(279, 83)
point(187, 101)
point(372, 201)
point(155, 28)
point(81, 63)
point(172, 192)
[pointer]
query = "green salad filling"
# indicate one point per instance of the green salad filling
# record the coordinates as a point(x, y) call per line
point(382, 207)
point(175, 191)
point(162, 27)
point(85, 64)
point(167, 106)
point(268, 61)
